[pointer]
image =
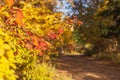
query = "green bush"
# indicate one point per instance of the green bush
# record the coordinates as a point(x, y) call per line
point(116, 59)
point(105, 56)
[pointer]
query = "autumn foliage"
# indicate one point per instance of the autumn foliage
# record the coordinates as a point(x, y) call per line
point(30, 32)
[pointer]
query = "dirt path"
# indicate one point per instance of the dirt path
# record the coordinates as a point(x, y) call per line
point(85, 68)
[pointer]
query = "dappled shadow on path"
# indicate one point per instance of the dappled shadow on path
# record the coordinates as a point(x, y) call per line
point(86, 68)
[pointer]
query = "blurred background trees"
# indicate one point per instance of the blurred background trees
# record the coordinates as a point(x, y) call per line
point(101, 21)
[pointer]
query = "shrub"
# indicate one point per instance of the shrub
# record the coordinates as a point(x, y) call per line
point(28, 35)
point(116, 59)
point(39, 72)
point(7, 49)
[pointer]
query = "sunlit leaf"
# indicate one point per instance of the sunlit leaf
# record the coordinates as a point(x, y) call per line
point(19, 17)
point(9, 2)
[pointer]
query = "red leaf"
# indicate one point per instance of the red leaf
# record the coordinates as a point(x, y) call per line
point(29, 33)
point(40, 54)
point(43, 44)
point(51, 35)
point(38, 47)
point(44, 48)
point(60, 31)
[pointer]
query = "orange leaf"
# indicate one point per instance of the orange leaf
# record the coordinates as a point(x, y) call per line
point(19, 21)
point(60, 31)
point(19, 17)
point(79, 23)
point(35, 40)
point(29, 46)
point(1, 7)
point(10, 2)
point(19, 13)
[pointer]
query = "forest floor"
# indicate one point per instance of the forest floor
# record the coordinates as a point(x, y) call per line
point(81, 67)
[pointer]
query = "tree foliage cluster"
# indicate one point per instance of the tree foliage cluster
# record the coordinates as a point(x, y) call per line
point(29, 33)
point(101, 20)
